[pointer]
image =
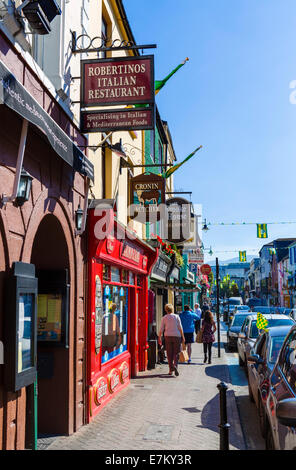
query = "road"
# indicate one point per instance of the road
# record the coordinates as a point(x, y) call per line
point(247, 410)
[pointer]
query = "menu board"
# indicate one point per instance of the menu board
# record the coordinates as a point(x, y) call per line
point(99, 315)
point(49, 317)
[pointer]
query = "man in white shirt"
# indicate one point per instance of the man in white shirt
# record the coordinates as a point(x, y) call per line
point(197, 310)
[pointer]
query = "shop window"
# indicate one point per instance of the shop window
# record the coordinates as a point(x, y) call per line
point(115, 274)
point(139, 281)
point(115, 321)
point(124, 276)
point(131, 279)
point(106, 272)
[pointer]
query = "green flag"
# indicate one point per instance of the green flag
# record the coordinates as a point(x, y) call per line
point(160, 83)
point(242, 256)
point(262, 231)
point(171, 170)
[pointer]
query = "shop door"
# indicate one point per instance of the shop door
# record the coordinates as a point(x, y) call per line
point(134, 337)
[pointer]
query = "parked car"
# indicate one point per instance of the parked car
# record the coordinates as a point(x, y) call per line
point(235, 301)
point(254, 301)
point(260, 363)
point(234, 329)
point(235, 310)
point(281, 400)
point(249, 333)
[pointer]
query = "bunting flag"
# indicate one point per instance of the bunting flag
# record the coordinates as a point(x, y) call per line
point(159, 84)
point(262, 231)
point(261, 323)
point(272, 251)
point(171, 170)
point(242, 256)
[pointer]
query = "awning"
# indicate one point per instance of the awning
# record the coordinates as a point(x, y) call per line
point(14, 95)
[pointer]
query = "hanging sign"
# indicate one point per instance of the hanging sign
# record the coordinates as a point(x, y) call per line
point(117, 81)
point(147, 192)
point(178, 218)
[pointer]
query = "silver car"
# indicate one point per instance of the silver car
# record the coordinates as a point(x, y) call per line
point(249, 333)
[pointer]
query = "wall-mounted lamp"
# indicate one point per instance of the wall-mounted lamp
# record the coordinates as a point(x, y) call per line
point(79, 218)
point(24, 188)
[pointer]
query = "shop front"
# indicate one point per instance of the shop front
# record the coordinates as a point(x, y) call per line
point(158, 279)
point(118, 269)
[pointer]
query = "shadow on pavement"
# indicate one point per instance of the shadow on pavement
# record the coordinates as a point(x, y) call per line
point(217, 372)
point(151, 376)
point(192, 410)
point(210, 419)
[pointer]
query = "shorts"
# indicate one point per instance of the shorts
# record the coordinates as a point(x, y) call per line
point(189, 338)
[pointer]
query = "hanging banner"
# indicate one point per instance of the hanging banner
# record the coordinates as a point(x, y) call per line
point(242, 256)
point(262, 231)
point(147, 193)
point(117, 120)
point(117, 81)
point(177, 220)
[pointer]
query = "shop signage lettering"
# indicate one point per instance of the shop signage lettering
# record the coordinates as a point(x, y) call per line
point(117, 120)
point(113, 380)
point(100, 390)
point(130, 253)
point(124, 372)
point(120, 80)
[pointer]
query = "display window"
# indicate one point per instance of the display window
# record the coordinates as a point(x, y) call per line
point(106, 272)
point(131, 279)
point(114, 321)
point(124, 276)
point(25, 332)
point(49, 318)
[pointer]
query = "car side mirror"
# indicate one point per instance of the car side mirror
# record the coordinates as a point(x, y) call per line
point(286, 412)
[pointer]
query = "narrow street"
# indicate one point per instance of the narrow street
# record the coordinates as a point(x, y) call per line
point(174, 413)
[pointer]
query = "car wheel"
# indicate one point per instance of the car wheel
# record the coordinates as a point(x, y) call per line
point(251, 396)
point(269, 443)
point(262, 417)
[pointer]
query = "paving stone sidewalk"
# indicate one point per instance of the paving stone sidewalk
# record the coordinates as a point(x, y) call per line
point(162, 412)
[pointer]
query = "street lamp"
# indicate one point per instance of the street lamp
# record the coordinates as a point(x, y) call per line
point(24, 188)
point(205, 228)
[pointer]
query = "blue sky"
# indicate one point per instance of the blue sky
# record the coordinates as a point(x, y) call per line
point(232, 97)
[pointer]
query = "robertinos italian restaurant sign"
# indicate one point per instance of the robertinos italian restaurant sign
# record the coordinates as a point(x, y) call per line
point(117, 81)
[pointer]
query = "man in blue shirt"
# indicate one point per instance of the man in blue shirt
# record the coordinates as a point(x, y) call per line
point(188, 319)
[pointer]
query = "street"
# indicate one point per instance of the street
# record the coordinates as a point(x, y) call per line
point(173, 413)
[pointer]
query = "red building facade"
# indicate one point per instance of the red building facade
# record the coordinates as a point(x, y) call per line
point(118, 267)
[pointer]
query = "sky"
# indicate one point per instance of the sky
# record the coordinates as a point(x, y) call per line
point(233, 97)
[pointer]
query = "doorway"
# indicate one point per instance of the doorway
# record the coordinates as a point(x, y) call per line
point(51, 259)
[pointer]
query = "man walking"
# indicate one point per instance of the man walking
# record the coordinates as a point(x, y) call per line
point(188, 319)
point(197, 311)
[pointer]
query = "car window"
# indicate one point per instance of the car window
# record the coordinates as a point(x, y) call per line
point(271, 322)
point(238, 320)
point(261, 346)
point(246, 328)
point(275, 345)
point(287, 360)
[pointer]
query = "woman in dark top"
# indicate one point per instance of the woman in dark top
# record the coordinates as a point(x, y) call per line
point(208, 336)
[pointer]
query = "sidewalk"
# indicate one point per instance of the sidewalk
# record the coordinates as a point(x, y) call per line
point(162, 412)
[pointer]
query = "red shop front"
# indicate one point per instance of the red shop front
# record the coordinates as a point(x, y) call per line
point(119, 265)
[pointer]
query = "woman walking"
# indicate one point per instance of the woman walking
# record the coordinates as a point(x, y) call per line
point(208, 336)
point(173, 335)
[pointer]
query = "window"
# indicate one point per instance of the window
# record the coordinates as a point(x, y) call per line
point(106, 272)
point(114, 322)
point(291, 256)
point(25, 332)
point(274, 348)
point(287, 360)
